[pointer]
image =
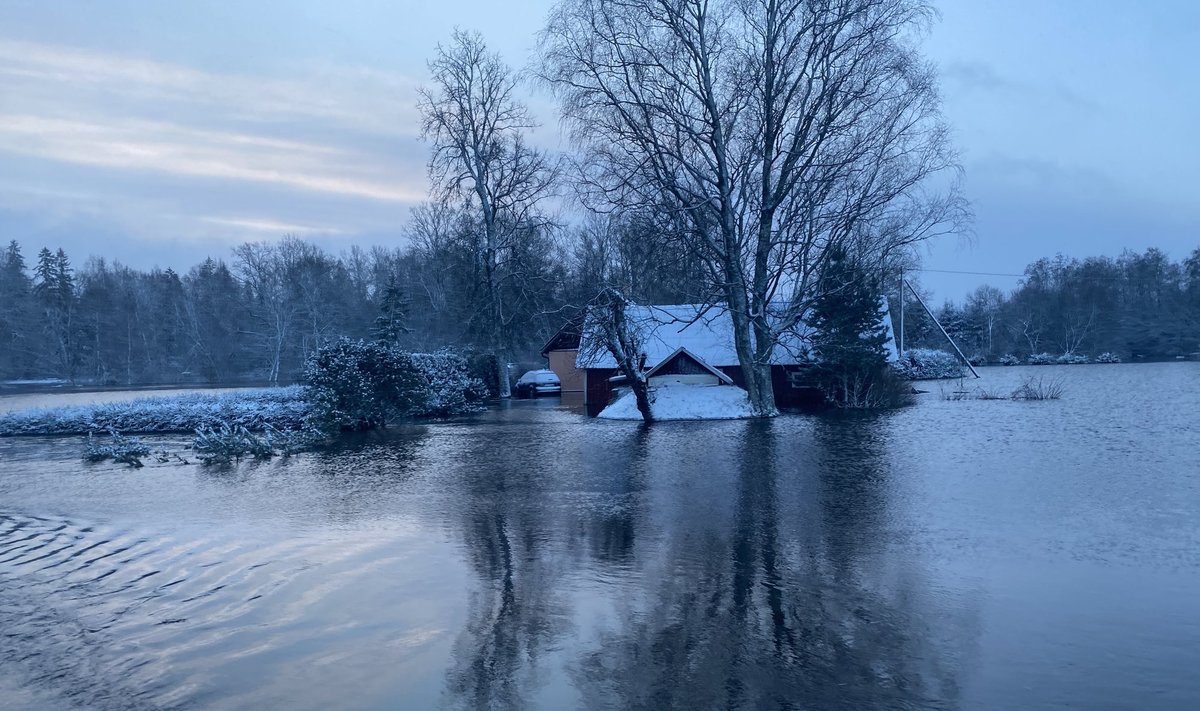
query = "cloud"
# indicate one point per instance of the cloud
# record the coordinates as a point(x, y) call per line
point(171, 148)
point(271, 226)
point(340, 131)
point(162, 151)
point(968, 76)
point(352, 98)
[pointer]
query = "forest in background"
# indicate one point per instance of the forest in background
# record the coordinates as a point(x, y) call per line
point(1138, 306)
point(259, 315)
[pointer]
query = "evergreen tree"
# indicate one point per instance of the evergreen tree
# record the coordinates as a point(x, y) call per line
point(850, 339)
point(17, 317)
point(391, 325)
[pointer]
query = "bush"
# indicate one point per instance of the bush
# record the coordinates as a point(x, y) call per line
point(1072, 359)
point(450, 389)
point(232, 443)
point(1042, 359)
point(356, 385)
point(123, 450)
point(1009, 359)
point(1107, 357)
point(864, 390)
point(928, 364)
point(485, 367)
point(1040, 389)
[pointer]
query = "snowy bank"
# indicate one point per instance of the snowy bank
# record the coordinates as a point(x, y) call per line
point(685, 402)
point(253, 409)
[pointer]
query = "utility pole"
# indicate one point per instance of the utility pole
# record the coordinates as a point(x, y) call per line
point(966, 361)
point(900, 340)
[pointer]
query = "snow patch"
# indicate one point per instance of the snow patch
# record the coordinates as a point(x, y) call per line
point(685, 402)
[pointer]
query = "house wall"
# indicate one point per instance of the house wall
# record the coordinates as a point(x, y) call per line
point(598, 391)
point(563, 364)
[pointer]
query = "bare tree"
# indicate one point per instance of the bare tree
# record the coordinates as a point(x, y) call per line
point(480, 157)
point(609, 329)
point(776, 131)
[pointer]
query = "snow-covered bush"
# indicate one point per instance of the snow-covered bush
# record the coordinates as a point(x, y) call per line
point(450, 388)
point(122, 450)
point(357, 385)
point(1042, 359)
point(1107, 357)
point(1072, 359)
point(254, 409)
point(1009, 359)
point(928, 364)
point(225, 444)
point(977, 359)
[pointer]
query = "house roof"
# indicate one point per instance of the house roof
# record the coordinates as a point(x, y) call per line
point(683, 352)
point(567, 338)
point(705, 332)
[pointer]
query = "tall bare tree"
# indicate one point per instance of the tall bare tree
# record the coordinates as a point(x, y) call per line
point(480, 157)
point(779, 130)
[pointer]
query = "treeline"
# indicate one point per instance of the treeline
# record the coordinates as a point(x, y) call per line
point(257, 316)
point(1137, 306)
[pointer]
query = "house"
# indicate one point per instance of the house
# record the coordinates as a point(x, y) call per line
point(684, 343)
point(560, 353)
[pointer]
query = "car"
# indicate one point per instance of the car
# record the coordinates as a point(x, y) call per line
point(538, 382)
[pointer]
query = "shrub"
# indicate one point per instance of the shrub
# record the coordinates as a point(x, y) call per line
point(1107, 357)
point(356, 385)
point(1042, 359)
point(485, 367)
point(1040, 389)
point(1072, 359)
point(232, 443)
point(928, 364)
point(1009, 359)
point(123, 450)
point(450, 389)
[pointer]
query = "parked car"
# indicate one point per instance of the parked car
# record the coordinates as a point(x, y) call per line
point(538, 382)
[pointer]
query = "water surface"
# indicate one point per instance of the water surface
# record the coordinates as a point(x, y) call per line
point(974, 555)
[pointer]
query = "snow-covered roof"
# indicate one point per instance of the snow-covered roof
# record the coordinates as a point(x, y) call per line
point(705, 332)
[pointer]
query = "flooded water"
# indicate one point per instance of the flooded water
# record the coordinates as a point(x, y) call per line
point(973, 555)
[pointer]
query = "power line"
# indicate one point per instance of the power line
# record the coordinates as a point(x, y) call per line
point(953, 271)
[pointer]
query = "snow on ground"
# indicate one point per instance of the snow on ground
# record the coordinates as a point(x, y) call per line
point(685, 402)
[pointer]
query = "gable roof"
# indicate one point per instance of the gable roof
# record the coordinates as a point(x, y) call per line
point(683, 352)
point(705, 332)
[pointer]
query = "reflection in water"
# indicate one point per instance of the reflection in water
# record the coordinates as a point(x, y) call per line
point(532, 558)
point(779, 609)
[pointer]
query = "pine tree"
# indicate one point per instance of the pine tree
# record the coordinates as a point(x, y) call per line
point(850, 338)
point(391, 325)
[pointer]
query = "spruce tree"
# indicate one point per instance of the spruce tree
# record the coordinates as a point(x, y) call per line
point(391, 323)
point(850, 339)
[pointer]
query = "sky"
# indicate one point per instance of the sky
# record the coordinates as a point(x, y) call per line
point(157, 133)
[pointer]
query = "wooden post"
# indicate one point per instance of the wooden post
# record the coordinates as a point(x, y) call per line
point(939, 325)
